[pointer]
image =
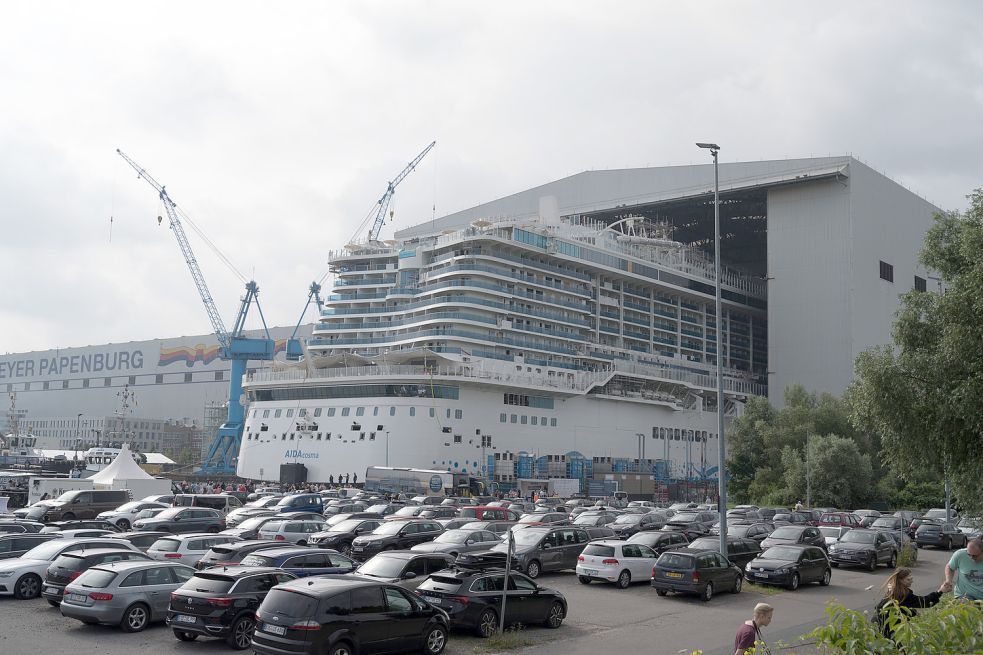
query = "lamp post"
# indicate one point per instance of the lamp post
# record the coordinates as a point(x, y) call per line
point(78, 423)
point(722, 448)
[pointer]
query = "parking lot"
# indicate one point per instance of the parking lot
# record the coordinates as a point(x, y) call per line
point(601, 619)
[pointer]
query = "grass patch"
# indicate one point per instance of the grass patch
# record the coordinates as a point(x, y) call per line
point(512, 639)
point(908, 557)
point(763, 589)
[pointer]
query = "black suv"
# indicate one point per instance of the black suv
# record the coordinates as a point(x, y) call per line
point(473, 599)
point(740, 551)
point(341, 535)
point(221, 603)
point(232, 553)
point(346, 616)
point(659, 541)
point(179, 520)
point(395, 535)
point(537, 549)
point(71, 565)
point(406, 568)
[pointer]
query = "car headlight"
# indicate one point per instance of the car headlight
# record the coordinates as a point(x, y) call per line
point(781, 571)
point(832, 548)
point(6, 574)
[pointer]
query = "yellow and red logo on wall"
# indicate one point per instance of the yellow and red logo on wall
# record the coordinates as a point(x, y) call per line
point(202, 353)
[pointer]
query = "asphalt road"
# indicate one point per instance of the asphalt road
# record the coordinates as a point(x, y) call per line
point(602, 618)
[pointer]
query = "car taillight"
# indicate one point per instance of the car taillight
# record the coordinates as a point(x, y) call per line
point(696, 576)
point(306, 625)
point(74, 574)
point(580, 558)
point(613, 562)
point(172, 555)
point(98, 595)
point(280, 537)
point(219, 602)
point(463, 600)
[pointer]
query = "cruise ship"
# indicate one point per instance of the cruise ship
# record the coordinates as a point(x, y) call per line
point(542, 346)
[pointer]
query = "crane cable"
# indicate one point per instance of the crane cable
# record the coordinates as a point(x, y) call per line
point(185, 219)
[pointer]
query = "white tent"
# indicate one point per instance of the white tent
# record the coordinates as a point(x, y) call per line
point(121, 468)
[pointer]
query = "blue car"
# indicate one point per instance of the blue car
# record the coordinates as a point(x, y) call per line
point(300, 561)
point(302, 502)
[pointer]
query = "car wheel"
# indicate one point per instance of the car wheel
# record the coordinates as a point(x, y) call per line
point(27, 587)
point(707, 593)
point(624, 580)
point(135, 618)
point(241, 635)
point(54, 603)
point(301, 543)
point(341, 648)
point(738, 583)
point(793, 584)
point(583, 579)
point(893, 562)
point(435, 641)
point(213, 529)
point(346, 550)
point(554, 619)
point(533, 569)
point(123, 525)
point(827, 574)
point(835, 565)
point(68, 516)
point(185, 636)
point(948, 543)
point(662, 592)
point(487, 623)
point(872, 562)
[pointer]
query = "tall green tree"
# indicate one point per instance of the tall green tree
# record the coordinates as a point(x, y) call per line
point(924, 394)
point(832, 471)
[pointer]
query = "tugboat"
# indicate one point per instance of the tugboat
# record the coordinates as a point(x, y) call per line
point(17, 448)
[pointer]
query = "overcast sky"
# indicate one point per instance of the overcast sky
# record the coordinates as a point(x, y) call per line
point(276, 126)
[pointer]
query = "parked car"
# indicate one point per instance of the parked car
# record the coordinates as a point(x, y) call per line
point(77, 504)
point(384, 509)
point(917, 522)
point(628, 524)
point(404, 567)
point(300, 561)
point(941, 535)
point(498, 527)
point(595, 519)
point(236, 518)
point(178, 520)
point(758, 531)
point(615, 561)
point(82, 524)
point(165, 499)
point(703, 573)
point(907, 515)
point(340, 536)
point(344, 616)
point(335, 519)
point(537, 549)
point(222, 603)
point(864, 547)
point(232, 553)
point(439, 512)
point(472, 599)
point(940, 513)
point(740, 551)
point(836, 519)
point(864, 513)
point(345, 507)
point(395, 535)
point(486, 513)
point(543, 518)
point(831, 534)
point(129, 594)
point(14, 545)
point(302, 502)
point(72, 564)
point(21, 577)
point(142, 540)
point(455, 542)
point(768, 513)
point(972, 527)
point(291, 531)
point(693, 518)
point(124, 515)
point(789, 566)
point(795, 518)
point(659, 541)
point(249, 528)
point(19, 526)
point(599, 532)
point(187, 548)
point(224, 503)
point(147, 513)
point(794, 534)
point(888, 523)
point(80, 533)
point(745, 514)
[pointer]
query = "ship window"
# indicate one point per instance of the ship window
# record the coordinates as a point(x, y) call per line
point(375, 411)
point(266, 413)
point(187, 377)
point(535, 420)
point(392, 411)
point(921, 284)
point(132, 379)
point(371, 436)
point(317, 412)
point(219, 376)
point(45, 386)
point(359, 411)
point(318, 436)
point(448, 412)
point(277, 413)
point(433, 412)
point(412, 411)
point(107, 382)
point(290, 413)
point(291, 436)
point(542, 421)
point(283, 437)
point(301, 412)
point(523, 419)
point(158, 379)
point(85, 383)
point(345, 411)
point(887, 272)
point(513, 418)
point(457, 438)
point(458, 413)
point(361, 436)
point(502, 418)
point(264, 428)
point(331, 411)
point(552, 422)
point(327, 437)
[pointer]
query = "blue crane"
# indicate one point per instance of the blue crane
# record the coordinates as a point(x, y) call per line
point(380, 214)
point(294, 348)
point(234, 347)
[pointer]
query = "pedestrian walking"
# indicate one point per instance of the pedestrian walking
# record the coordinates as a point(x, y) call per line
point(750, 631)
point(798, 506)
point(331, 480)
point(964, 572)
point(355, 478)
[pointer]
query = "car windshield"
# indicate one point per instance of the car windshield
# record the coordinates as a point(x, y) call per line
point(408, 511)
point(685, 517)
point(95, 579)
point(272, 526)
point(857, 537)
point(289, 603)
point(257, 560)
point(787, 532)
point(133, 504)
point(970, 523)
point(377, 509)
point(382, 567)
point(706, 543)
point(390, 527)
point(628, 519)
point(453, 537)
point(527, 537)
point(45, 551)
point(598, 550)
point(346, 526)
point(253, 523)
point(738, 530)
point(782, 516)
point(216, 584)
point(781, 552)
point(887, 522)
point(830, 532)
point(169, 513)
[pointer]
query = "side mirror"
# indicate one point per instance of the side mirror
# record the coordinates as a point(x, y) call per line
point(545, 547)
point(409, 575)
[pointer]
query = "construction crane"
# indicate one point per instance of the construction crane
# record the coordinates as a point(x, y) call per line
point(380, 214)
point(234, 347)
point(294, 347)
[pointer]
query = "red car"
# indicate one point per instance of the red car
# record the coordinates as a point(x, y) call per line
point(838, 519)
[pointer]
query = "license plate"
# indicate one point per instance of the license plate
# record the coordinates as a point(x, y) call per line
point(358, 548)
point(274, 629)
point(181, 618)
point(433, 600)
point(51, 590)
point(78, 598)
point(762, 575)
point(670, 574)
point(590, 571)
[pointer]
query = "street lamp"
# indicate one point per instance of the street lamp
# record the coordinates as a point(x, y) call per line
point(722, 449)
point(78, 423)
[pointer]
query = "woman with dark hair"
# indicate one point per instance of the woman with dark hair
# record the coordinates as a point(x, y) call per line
point(897, 592)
